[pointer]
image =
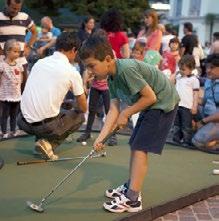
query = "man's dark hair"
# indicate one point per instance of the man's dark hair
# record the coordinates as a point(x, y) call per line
point(213, 59)
point(216, 35)
point(16, 1)
point(96, 47)
point(111, 21)
point(168, 28)
point(188, 26)
point(67, 41)
point(188, 61)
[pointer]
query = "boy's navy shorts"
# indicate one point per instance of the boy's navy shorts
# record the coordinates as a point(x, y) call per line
point(151, 130)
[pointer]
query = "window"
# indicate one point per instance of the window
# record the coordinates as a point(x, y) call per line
point(178, 12)
point(194, 9)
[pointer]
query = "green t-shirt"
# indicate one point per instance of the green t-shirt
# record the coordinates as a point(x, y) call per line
point(133, 75)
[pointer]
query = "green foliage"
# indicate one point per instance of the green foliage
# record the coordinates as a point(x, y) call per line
point(131, 10)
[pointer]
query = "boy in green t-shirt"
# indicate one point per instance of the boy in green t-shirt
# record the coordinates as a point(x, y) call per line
point(145, 89)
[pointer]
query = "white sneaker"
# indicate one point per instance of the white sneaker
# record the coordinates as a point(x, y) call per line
point(45, 148)
point(5, 136)
point(113, 193)
point(123, 204)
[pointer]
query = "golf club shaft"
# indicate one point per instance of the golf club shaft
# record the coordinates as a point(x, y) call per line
point(75, 168)
point(20, 163)
point(67, 176)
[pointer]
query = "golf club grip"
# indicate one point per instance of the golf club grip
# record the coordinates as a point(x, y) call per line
point(109, 135)
point(19, 163)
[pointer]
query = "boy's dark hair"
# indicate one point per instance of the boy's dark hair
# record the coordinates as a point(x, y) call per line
point(216, 35)
point(16, 1)
point(174, 40)
point(188, 26)
point(97, 47)
point(188, 61)
point(111, 21)
point(66, 41)
point(213, 59)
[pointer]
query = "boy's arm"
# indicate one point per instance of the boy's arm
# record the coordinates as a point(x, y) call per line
point(146, 99)
point(109, 125)
point(87, 78)
point(195, 101)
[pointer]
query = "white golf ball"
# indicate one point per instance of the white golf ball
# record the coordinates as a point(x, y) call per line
point(84, 143)
point(216, 172)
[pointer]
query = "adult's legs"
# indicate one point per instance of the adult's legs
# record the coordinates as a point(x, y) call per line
point(206, 135)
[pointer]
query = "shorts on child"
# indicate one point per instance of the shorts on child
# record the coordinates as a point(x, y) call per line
point(151, 130)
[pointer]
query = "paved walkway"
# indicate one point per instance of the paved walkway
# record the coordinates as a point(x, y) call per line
point(203, 210)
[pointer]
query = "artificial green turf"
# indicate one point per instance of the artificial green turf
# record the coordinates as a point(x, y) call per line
point(175, 173)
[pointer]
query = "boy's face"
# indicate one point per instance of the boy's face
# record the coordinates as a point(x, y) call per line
point(98, 68)
point(185, 71)
point(212, 71)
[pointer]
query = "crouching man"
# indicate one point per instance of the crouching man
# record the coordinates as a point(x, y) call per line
point(48, 83)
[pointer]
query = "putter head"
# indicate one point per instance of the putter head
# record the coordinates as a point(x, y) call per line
point(34, 207)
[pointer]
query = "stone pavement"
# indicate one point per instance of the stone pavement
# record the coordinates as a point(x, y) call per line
point(203, 210)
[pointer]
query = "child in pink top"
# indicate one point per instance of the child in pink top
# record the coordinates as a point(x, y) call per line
point(99, 89)
point(11, 77)
point(171, 59)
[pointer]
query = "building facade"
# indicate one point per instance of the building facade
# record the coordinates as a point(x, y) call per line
point(201, 13)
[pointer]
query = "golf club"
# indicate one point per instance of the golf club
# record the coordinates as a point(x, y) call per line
point(39, 208)
point(20, 163)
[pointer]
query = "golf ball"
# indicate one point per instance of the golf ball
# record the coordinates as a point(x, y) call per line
point(84, 143)
point(216, 172)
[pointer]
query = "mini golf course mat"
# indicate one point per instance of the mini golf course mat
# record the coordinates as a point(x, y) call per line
point(175, 179)
point(204, 149)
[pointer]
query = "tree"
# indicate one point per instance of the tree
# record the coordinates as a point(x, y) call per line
point(131, 10)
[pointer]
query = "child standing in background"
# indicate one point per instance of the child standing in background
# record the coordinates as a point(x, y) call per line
point(171, 58)
point(99, 88)
point(187, 86)
point(138, 51)
point(11, 77)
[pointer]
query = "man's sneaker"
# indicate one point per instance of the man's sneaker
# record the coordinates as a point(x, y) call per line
point(83, 137)
point(45, 148)
point(113, 140)
point(5, 136)
point(122, 204)
point(113, 193)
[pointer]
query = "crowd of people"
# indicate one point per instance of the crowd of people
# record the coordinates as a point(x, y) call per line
point(171, 85)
